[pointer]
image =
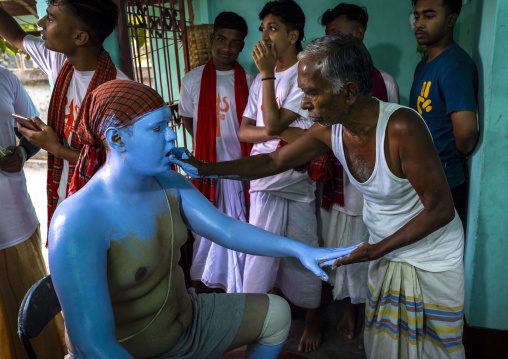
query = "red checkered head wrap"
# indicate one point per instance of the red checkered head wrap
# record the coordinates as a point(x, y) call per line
point(117, 103)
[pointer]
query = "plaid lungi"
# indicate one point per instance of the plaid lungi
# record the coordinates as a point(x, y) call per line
point(412, 313)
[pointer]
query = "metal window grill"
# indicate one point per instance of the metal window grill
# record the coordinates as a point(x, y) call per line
point(153, 46)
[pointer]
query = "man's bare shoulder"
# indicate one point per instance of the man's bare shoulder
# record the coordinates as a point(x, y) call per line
point(321, 133)
point(320, 129)
point(406, 122)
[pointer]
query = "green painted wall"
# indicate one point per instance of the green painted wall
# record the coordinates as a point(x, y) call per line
point(391, 43)
point(486, 267)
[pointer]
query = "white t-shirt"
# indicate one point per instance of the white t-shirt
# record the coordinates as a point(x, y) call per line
point(18, 220)
point(392, 89)
point(227, 144)
point(292, 185)
point(51, 62)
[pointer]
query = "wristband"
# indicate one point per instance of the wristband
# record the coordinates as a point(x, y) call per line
point(268, 78)
point(24, 155)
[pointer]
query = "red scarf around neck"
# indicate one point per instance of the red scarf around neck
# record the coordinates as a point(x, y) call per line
point(104, 72)
point(205, 141)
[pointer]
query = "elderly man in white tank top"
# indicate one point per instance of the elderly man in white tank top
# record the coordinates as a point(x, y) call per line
point(415, 290)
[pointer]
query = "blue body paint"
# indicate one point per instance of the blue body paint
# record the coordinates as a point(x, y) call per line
point(119, 208)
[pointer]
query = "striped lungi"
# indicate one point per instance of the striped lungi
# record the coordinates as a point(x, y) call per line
point(412, 313)
point(20, 267)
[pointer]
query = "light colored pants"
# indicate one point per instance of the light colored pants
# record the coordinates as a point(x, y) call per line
point(292, 219)
point(212, 264)
point(20, 267)
point(340, 229)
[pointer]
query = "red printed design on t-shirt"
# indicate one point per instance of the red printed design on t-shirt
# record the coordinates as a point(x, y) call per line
point(220, 109)
point(276, 101)
point(70, 118)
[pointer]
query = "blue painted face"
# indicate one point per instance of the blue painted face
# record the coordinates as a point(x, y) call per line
point(148, 142)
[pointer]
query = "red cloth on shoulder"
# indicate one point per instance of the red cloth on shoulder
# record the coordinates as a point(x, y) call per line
point(205, 141)
point(104, 72)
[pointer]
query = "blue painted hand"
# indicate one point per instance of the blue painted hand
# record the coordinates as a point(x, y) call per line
point(316, 258)
point(181, 156)
point(339, 253)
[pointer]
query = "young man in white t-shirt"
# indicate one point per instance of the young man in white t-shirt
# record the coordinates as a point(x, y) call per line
point(213, 265)
point(21, 261)
point(72, 31)
point(284, 203)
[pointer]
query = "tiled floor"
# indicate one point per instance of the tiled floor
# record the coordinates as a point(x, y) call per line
point(334, 346)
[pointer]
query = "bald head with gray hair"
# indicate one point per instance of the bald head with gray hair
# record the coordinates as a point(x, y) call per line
point(343, 58)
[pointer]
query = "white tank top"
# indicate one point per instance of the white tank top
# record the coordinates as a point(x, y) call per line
point(390, 202)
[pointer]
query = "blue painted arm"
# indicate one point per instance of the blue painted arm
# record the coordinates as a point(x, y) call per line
point(204, 219)
point(78, 265)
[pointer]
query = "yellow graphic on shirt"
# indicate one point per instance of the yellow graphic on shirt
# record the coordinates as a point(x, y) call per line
point(221, 112)
point(422, 99)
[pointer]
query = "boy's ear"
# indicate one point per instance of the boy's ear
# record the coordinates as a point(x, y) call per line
point(293, 36)
point(360, 32)
point(114, 140)
point(81, 37)
point(452, 19)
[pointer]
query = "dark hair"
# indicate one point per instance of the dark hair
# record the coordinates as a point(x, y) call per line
point(451, 5)
point(230, 20)
point(99, 16)
point(343, 57)
point(351, 11)
point(291, 15)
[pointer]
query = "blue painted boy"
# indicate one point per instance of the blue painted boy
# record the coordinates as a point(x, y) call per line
point(115, 244)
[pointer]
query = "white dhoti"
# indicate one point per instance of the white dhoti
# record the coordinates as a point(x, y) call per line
point(214, 265)
point(341, 229)
point(344, 226)
point(292, 219)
